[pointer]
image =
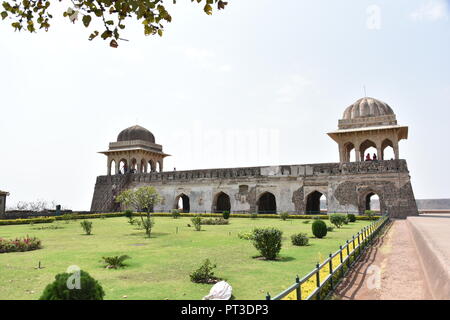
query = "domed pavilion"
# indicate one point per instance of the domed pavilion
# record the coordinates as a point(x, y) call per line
point(368, 123)
point(135, 151)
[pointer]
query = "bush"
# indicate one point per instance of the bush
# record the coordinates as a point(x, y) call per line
point(351, 217)
point(204, 274)
point(212, 221)
point(226, 215)
point(306, 221)
point(89, 288)
point(19, 244)
point(268, 242)
point(115, 262)
point(129, 215)
point(147, 224)
point(319, 229)
point(284, 216)
point(346, 220)
point(197, 222)
point(245, 235)
point(87, 226)
point(176, 213)
point(338, 219)
point(300, 239)
point(330, 228)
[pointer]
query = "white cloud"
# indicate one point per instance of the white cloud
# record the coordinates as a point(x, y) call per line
point(432, 10)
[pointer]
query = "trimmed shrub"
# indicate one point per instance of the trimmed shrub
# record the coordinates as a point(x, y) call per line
point(268, 242)
point(19, 244)
point(216, 221)
point(176, 213)
point(115, 262)
point(330, 228)
point(197, 222)
point(226, 214)
point(87, 226)
point(205, 273)
point(319, 229)
point(351, 217)
point(60, 289)
point(338, 219)
point(284, 216)
point(300, 239)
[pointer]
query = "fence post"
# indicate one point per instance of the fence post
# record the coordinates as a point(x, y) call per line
point(299, 289)
point(318, 280)
point(348, 254)
point(267, 296)
point(340, 255)
point(330, 264)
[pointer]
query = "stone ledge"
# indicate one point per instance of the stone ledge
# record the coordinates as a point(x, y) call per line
point(432, 240)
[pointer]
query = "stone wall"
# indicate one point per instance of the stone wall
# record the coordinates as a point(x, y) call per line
point(345, 186)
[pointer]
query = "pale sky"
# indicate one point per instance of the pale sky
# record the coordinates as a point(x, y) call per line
point(260, 83)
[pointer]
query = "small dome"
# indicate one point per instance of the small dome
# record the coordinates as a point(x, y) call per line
point(136, 133)
point(367, 107)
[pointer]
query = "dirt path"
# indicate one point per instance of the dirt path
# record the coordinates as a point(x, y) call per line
point(389, 270)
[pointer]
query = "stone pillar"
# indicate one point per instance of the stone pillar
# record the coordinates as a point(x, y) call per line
point(117, 167)
point(380, 153)
point(108, 166)
point(160, 166)
point(357, 155)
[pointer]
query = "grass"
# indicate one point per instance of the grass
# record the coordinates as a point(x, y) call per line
point(159, 267)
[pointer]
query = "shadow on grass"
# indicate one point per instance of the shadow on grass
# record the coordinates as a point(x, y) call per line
point(278, 259)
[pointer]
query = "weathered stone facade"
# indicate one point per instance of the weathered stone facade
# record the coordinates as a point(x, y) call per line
point(345, 185)
point(3, 195)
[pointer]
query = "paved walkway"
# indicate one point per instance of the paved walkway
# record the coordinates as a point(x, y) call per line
point(389, 270)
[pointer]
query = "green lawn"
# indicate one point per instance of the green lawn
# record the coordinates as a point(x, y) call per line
point(160, 266)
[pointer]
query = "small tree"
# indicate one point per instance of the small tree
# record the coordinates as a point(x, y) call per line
point(319, 229)
point(142, 199)
point(284, 215)
point(87, 226)
point(204, 274)
point(197, 222)
point(175, 213)
point(338, 219)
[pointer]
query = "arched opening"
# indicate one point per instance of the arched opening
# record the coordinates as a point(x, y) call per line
point(368, 151)
point(313, 202)
point(387, 148)
point(222, 203)
point(158, 167)
point(350, 153)
point(182, 203)
point(267, 203)
point(152, 165)
point(112, 167)
point(123, 166)
point(372, 201)
point(143, 166)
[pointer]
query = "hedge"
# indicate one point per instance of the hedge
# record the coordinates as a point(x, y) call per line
point(161, 214)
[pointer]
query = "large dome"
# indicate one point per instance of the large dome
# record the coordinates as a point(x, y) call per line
point(367, 107)
point(136, 133)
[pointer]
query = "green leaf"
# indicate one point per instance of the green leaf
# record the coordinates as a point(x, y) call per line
point(4, 14)
point(87, 20)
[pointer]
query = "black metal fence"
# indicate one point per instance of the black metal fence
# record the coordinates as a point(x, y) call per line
point(323, 279)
